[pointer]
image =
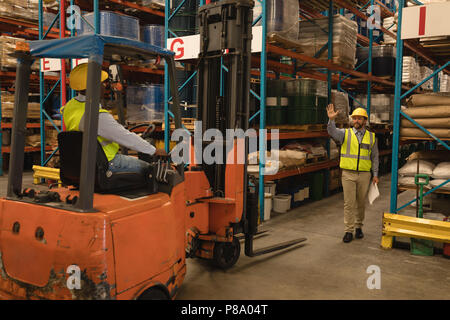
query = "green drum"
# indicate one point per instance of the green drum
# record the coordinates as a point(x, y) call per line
point(276, 93)
point(307, 101)
point(299, 115)
point(317, 183)
point(322, 110)
point(275, 116)
point(301, 87)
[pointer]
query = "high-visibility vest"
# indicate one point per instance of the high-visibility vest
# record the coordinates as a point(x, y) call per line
point(355, 155)
point(73, 112)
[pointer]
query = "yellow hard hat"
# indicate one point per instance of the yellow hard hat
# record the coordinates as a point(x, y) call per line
point(78, 77)
point(360, 112)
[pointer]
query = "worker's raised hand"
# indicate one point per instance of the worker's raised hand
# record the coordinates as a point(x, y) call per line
point(332, 114)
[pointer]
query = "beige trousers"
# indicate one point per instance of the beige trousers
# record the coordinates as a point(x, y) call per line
point(355, 185)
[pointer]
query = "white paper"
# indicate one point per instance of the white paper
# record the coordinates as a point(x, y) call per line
point(373, 192)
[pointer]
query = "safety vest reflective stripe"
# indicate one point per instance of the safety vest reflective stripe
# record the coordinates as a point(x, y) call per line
point(355, 155)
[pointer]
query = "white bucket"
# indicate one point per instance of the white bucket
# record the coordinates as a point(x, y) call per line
point(270, 187)
point(306, 191)
point(300, 195)
point(281, 203)
point(267, 206)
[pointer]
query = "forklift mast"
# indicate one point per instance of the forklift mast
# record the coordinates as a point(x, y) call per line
point(225, 52)
point(224, 99)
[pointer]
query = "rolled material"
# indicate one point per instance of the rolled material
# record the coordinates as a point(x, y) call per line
point(428, 123)
point(435, 156)
point(426, 100)
point(438, 111)
point(417, 133)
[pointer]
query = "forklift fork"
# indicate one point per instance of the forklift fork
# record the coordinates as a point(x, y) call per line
point(252, 224)
point(251, 218)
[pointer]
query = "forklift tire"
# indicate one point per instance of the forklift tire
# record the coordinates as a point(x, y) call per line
point(226, 254)
point(153, 294)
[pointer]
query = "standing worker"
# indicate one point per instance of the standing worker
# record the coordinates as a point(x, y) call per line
point(359, 154)
point(111, 134)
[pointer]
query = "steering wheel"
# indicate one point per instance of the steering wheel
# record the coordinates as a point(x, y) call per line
point(147, 132)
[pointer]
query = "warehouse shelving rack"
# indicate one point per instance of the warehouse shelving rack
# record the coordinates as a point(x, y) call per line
point(344, 79)
point(61, 16)
point(335, 75)
point(27, 30)
point(399, 95)
point(32, 31)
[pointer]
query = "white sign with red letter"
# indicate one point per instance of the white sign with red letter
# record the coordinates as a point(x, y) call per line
point(185, 47)
point(50, 64)
point(429, 20)
point(76, 62)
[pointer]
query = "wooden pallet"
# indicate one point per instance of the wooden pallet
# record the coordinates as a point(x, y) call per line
point(300, 127)
point(188, 123)
point(277, 40)
point(156, 6)
point(323, 5)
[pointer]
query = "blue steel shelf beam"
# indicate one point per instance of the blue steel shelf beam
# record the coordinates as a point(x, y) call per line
point(262, 109)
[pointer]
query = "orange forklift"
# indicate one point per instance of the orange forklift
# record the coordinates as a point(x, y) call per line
point(127, 236)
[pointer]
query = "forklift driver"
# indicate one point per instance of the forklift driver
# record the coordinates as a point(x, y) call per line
point(111, 134)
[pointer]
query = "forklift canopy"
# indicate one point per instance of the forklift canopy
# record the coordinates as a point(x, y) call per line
point(97, 48)
point(90, 46)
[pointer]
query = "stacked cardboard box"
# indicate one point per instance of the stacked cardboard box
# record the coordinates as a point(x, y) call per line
point(314, 35)
point(411, 70)
point(7, 103)
point(20, 9)
point(381, 107)
point(7, 47)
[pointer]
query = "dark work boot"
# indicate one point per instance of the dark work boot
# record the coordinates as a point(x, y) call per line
point(348, 237)
point(358, 233)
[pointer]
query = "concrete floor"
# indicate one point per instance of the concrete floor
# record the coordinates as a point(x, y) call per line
point(323, 267)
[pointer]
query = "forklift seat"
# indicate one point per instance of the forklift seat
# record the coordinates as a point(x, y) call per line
point(70, 146)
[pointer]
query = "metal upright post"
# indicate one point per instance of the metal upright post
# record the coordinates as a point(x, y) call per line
point(369, 83)
point(262, 110)
point(329, 83)
point(166, 80)
point(41, 85)
point(62, 34)
point(397, 106)
point(330, 46)
point(96, 17)
point(436, 88)
point(72, 34)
